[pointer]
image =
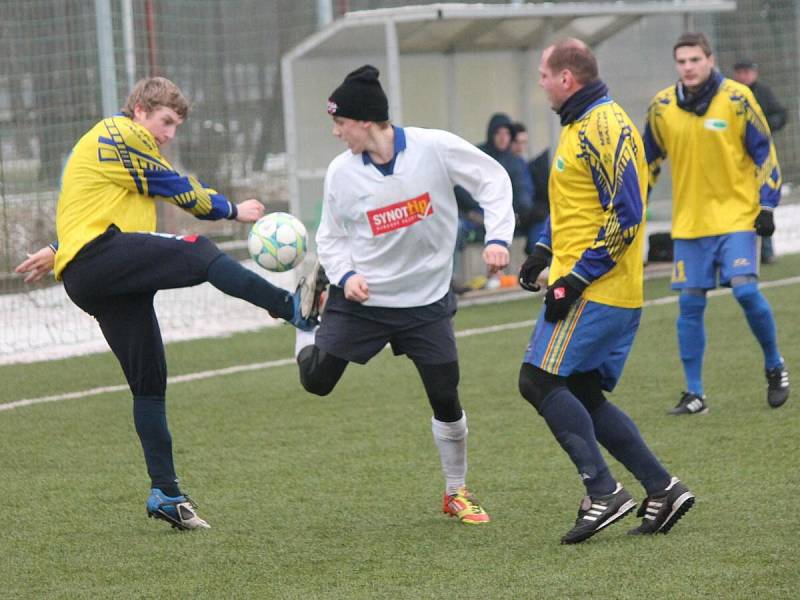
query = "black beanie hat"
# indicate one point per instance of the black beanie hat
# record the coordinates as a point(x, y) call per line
point(360, 97)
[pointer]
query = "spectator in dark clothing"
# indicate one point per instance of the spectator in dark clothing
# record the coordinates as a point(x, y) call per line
point(746, 71)
point(499, 137)
point(537, 171)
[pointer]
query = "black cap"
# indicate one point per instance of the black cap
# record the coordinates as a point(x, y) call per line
point(744, 63)
point(360, 97)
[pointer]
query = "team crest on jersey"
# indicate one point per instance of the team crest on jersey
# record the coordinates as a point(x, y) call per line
point(715, 124)
point(400, 214)
point(560, 164)
point(332, 107)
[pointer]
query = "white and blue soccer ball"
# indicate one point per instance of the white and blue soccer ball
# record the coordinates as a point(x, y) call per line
point(278, 242)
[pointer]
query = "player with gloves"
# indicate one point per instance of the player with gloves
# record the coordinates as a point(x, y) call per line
point(726, 183)
point(594, 248)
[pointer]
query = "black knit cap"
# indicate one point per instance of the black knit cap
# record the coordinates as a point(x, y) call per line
point(360, 97)
point(744, 63)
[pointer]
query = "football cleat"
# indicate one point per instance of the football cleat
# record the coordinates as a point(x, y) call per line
point(660, 513)
point(313, 298)
point(690, 404)
point(465, 506)
point(300, 296)
point(597, 513)
point(777, 386)
point(178, 511)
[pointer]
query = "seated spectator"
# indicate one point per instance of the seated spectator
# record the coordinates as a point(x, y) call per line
point(537, 172)
point(499, 137)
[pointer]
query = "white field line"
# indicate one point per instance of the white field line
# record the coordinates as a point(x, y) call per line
point(290, 361)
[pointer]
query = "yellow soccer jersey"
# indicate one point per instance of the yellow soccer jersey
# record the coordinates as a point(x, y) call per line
point(597, 186)
point(723, 163)
point(112, 176)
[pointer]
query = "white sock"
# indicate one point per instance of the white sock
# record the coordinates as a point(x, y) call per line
point(303, 339)
point(451, 439)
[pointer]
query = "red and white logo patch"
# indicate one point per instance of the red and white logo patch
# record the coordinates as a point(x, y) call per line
point(401, 214)
point(332, 107)
point(559, 293)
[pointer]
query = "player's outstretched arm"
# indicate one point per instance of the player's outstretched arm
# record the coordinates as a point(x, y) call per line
point(37, 265)
point(249, 211)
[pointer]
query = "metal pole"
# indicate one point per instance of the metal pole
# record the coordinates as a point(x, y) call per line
point(105, 51)
point(393, 66)
point(152, 49)
point(324, 13)
point(451, 87)
point(525, 63)
point(290, 133)
point(128, 42)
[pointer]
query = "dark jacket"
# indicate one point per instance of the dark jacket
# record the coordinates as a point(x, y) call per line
point(514, 166)
point(774, 111)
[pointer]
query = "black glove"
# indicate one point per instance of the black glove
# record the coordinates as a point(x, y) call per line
point(529, 272)
point(765, 224)
point(561, 296)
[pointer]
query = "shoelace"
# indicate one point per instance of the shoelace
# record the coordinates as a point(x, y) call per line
point(471, 501)
point(474, 505)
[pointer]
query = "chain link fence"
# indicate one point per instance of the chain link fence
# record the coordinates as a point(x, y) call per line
point(225, 55)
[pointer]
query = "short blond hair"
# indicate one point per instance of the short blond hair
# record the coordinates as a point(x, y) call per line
point(152, 92)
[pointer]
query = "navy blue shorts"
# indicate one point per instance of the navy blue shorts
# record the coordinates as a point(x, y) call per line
point(117, 264)
point(593, 337)
point(356, 333)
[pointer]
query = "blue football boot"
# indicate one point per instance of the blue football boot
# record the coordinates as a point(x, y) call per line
point(178, 511)
point(304, 297)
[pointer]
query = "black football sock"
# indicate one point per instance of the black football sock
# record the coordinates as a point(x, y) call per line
point(150, 419)
point(618, 434)
point(572, 426)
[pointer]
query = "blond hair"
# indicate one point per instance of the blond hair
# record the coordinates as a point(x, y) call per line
point(152, 92)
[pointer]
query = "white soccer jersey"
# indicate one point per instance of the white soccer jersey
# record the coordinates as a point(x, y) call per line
point(399, 231)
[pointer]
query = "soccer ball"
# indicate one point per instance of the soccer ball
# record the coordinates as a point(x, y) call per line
point(277, 242)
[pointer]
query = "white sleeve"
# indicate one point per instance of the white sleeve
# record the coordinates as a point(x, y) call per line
point(333, 248)
point(487, 181)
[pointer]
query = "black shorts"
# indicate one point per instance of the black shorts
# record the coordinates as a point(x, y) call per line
point(356, 333)
point(119, 264)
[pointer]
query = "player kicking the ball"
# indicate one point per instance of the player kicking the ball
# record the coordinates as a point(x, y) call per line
point(386, 243)
point(112, 271)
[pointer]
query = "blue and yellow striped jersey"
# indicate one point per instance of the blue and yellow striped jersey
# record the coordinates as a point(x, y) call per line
point(598, 184)
point(723, 163)
point(112, 176)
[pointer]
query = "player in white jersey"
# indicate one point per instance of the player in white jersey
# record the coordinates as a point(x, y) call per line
point(386, 240)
